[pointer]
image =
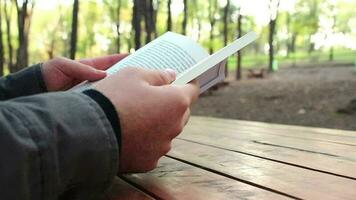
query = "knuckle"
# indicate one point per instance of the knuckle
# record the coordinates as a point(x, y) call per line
point(151, 166)
point(130, 69)
point(178, 129)
point(58, 59)
point(163, 76)
point(166, 149)
point(183, 100)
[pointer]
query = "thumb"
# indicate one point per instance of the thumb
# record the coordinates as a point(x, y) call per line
point(82, 72)
point(159, 78)
point(192, 90)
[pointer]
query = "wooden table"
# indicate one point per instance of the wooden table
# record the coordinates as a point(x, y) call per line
point(231, 159)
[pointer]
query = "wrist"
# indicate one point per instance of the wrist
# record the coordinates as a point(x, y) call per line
point(109, 110)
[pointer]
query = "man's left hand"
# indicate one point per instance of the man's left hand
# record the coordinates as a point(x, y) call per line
point(61, 74)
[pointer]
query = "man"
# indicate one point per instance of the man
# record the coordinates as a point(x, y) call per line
point(70, 145)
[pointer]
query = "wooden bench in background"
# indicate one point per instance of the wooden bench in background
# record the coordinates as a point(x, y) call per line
point(230, 159)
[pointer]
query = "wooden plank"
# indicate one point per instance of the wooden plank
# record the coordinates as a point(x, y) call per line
point(176, 180)
point(311, 133)
point(295, 181)
point(314, 158)
point(120, 190)
point(346, 152)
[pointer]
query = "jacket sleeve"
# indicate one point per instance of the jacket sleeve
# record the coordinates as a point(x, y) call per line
point(28, 81)
point(55, 146)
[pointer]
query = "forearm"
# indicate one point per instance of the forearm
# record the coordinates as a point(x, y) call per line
point(55, 143)
point(29, 81)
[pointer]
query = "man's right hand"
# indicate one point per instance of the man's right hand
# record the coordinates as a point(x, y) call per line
point(152, 113)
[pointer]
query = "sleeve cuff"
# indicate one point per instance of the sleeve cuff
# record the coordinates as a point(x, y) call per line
point(109, 110)
point(28, 81)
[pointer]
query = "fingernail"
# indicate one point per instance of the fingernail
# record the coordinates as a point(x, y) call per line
point(101, 71)
point(171, 73)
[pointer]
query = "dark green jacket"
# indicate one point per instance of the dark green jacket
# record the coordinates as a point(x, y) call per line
point(52, 145)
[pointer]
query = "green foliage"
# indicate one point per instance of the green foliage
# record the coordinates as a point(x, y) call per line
point(50, 29)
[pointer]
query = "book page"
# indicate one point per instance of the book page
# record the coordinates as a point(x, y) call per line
point(171, 50)
point(209, 71)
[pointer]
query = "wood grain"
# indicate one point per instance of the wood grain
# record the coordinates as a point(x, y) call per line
point(298, 182)
point(120, 190)
point(312, 154)
point(307, 133)
point(176, 180)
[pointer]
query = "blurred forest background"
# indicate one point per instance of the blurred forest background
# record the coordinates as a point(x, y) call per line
point(309, 44)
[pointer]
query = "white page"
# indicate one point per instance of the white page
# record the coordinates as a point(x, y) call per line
point(186, 57)
point(171, 50)
point(211, 69)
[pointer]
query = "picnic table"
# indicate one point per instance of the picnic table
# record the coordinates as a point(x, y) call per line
point(232, 159)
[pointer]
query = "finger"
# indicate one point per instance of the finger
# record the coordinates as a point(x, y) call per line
point(186, 117)
point(159, 78)
point(182, 123)
point(81, 71)
point(192, 89)
point(104, 62)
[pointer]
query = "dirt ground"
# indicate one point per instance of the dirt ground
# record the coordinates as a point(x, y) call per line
point(308, 96)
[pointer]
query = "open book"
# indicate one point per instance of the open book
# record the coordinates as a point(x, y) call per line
point(180, 53)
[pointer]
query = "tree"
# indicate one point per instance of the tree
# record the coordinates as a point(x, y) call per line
point(302, 23)
point(24, 14)
point(226, 21)
point(333, 16)
point(74, 34)
point(2, 56)
point(136, 21)
point(239, 54)
point(10, 48)
point(185, 17)
point(169, 14)
point(118, 23)
point(149, 14)
point(226, 29)
point(115, 7)
point(198, 16)
point(274, 5)
point(213, 6)
point(52, 33)
point(155, 14)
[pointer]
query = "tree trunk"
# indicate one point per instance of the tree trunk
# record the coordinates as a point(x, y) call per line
point(74, 34)
point(198, 17)
point(185, 18)
point(118, 39)
point(291, 44)
point(226, 26)
point(149, 19)
point(331, 53)
point(2, 56)
point(169, 18)
point(24, 15)
point(272, 28)
point(239, 54)
point(212, 6)
point(153, 18)
point(155, 14)
point(289, 39)
point(136, 22)
point(226, 21)
point(8, 37)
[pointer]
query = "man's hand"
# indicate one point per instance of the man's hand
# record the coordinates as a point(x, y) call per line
point(152, 114)
point(61, 73)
